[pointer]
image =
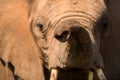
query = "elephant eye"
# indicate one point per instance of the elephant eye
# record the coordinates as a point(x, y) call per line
point(40, 27)
point(38, 30)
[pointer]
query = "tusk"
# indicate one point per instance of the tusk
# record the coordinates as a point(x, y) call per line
point(100, 74)
point(54, 74)
point(90, 75)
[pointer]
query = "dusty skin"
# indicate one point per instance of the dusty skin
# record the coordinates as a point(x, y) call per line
point(59, 40)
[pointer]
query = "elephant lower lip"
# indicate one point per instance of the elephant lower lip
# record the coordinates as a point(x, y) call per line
point(74, 70)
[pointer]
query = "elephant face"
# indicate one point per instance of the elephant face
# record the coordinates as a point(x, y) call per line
point(68, 32)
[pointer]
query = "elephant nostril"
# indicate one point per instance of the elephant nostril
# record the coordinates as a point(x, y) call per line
point(63, 36)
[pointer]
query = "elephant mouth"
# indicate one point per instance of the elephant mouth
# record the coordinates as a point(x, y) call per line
point(83, 74)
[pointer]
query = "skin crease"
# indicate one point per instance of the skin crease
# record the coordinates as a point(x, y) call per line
point(16, 38)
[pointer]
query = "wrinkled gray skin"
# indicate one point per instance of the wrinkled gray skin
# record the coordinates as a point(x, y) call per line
point(68, 32)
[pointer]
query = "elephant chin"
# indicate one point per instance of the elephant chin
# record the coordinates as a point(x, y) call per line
point(98, 71)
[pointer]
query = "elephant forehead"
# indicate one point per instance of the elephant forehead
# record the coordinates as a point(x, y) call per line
point(52, 8)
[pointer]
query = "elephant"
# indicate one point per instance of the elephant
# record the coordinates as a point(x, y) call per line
point(59, 40)
point(68, 34)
